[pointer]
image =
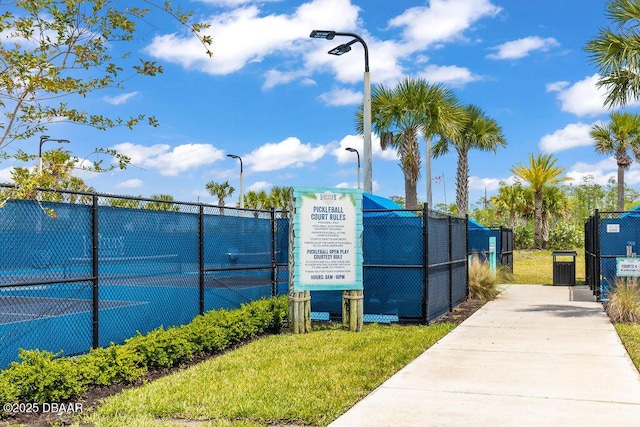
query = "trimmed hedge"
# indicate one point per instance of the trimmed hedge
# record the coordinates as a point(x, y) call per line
point(43, 377)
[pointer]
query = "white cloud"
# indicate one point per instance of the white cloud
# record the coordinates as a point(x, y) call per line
point(244, 35)
point(234, 3)
point(571, 136)
point(450, 74)
point(490, 184)
point(120, 99)
point(130, 183)
point(169, 161)
point(5, 175)
point(275, 77)
point(339, 97)
point(354, 184)
point(582, 98)
point(259, 185)
point(602, 171)
point(520, 48)
point(556, 86)
point(357, 141)
point(442, 20)
point(289, 153)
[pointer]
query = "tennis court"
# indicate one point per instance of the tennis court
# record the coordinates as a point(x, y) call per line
point(24, 309)
point(59, 316)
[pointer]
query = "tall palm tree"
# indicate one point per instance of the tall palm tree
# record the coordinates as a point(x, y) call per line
point(164, 203)
point(617, 137)
point(540, 172)
point(616, 53)
point(221, 191)
point(510, 199)
point(478, 132)
point(402, 114)
point(279, 197)
point(258, 200)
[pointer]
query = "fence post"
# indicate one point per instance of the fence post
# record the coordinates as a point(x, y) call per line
point(201, 256)
point(95, 246)
point(274, 265)
point(596, 240)
point(466, 258)
point(425, 263)
point(450, 255)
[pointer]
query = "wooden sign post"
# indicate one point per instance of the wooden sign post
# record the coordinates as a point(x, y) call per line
point(325, 252)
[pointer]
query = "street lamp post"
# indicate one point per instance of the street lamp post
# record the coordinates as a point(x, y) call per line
point(342, 49)
point(234, 156)
point(43, 139)
point(353, 150)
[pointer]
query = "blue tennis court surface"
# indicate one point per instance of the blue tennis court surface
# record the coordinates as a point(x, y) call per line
point(22, 309)
point(59, 317)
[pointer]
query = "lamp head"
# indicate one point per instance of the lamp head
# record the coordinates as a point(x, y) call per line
point(340, 50)
point(322, 34)
point(353, 150)
point(233, 156)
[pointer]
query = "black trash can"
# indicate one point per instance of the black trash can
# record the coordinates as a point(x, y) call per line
point(564, 269)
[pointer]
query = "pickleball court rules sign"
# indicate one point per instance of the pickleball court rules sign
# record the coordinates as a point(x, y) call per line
point(327, 239)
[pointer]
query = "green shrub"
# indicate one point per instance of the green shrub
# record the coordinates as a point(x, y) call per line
point(564, 235)
point(42, 377)
point(161, 348)
point(8, 392)
point(624, 301)
point(482, 282)
point(523, 237)
point(111, 365)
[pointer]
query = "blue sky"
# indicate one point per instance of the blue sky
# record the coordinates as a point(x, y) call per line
point(273, 96)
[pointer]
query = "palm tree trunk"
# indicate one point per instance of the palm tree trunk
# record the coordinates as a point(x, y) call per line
point(462, 182)
point(538, 219)
point(620, 203)
point(410, 192)
point(545, 231)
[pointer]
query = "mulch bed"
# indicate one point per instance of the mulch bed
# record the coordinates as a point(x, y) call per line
point(91, 399)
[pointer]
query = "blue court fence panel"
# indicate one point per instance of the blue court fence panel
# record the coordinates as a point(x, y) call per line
point(107, 267)
point(608, 236)
point(478, 245)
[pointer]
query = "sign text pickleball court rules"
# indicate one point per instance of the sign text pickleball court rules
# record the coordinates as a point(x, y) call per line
point(327, 239)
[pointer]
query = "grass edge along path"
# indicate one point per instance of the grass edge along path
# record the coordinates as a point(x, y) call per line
point(307, 379)
point(630, 336)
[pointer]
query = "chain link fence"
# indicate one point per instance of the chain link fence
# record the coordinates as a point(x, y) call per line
point(103, 268)
point(479, 244)
point(608, 237)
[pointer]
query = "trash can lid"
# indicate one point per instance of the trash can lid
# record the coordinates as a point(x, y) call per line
point(566, 253)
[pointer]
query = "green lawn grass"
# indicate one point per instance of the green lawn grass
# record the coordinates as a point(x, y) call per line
point(301, 379)
point(630, 336)
point(536, 267)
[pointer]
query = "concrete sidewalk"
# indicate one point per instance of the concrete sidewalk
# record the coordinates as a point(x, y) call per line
point(536, 356)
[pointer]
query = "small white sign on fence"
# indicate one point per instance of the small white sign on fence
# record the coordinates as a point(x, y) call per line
point(613, 228)
point(628, 267)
